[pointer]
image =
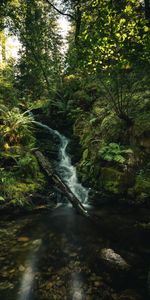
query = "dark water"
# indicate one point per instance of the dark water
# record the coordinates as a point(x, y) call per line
point(57, 255)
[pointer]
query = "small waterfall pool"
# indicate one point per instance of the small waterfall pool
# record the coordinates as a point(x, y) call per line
point(55, 255)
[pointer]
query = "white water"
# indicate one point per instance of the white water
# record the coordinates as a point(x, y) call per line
point(65, 169)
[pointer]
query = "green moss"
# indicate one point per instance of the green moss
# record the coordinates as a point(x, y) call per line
point(93, 87)
point(99, 111)
point(142, 185)
point(15, 189)
point(112, 180)
point(142, 124)
point(20, 192)
point(140, 192)
point(19, 169)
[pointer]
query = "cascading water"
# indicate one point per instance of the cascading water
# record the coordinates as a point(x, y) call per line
point(65, 169)
point(68, 172)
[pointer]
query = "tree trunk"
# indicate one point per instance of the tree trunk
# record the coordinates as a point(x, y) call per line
point(147, 10)
point(3, 46)
point(78, 24)
point(47, 167)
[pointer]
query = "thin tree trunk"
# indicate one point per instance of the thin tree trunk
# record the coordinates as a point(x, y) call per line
point(78, 24)
point(147, 10)
point(3, 46)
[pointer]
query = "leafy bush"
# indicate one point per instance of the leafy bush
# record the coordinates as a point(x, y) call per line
point(15, 126)
point(111, 127)
point(114, 152)
point(20, 174)
point(142, 124)
point(140, 192)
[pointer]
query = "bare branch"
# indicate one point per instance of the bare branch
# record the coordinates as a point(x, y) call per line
point(59, 11)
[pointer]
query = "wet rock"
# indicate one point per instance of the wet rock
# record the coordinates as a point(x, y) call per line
point(37, 242)
point(12, 271)
point(59, 283)
point(21, 268)
point(51, 235)
point(77, 296)
point(93, 277)
point(73, 254)
point(97, 283)
point(23, 239)
point(49, 285)
point(114, 260)
point(129, 295)
point(4, 232)
point(6, 285)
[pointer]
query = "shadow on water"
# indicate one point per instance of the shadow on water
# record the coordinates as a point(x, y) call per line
point(56, 255)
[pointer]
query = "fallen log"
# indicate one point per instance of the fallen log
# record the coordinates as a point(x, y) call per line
point(51, 173)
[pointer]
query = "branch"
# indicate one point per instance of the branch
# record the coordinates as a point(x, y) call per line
point(59, 11)
point(48, 168)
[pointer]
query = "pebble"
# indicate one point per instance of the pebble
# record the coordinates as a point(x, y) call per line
point(21, 268)
point(23, 239)
point(77, 296)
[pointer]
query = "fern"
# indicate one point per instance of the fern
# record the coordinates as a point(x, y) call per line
point(114, 152)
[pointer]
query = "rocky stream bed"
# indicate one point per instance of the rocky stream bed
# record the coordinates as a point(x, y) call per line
point(58, 254)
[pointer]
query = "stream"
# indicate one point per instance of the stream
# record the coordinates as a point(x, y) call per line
point(60, 255)
point(65, 168)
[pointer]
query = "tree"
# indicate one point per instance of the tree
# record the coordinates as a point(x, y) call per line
point(73, 10)
point(113, 44)
point(39, 68)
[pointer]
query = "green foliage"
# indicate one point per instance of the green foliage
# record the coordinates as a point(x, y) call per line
point(15, 126)
point(112, 180)
point(112, 34)
point(29, 83)
point(16, 192)
point(123, 91)
point(75, 113)
point(39, 67)
point(114, 152)
point(20, 174)
point(111, 127)
point(71, 84)
point(140, 193)
point(8, 92)
point(142, 124)
point(117, 121)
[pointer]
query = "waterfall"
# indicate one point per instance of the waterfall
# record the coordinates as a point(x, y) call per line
point(65, 168)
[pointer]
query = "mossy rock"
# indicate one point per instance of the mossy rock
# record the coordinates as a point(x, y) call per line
point(99, 111)
point(141, 131)
point(142, 124)
point(141, 190)
point(112, 180)
point(83, 99)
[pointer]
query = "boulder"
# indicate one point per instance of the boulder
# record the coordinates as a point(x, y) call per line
point(114, 260)
point(115, 181)
point(129, 295)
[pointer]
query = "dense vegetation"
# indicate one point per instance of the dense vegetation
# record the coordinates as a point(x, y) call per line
point(101, 88)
